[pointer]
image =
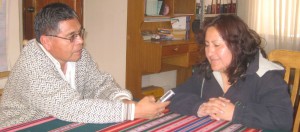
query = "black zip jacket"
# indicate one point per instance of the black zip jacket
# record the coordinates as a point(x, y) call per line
point(261, 100)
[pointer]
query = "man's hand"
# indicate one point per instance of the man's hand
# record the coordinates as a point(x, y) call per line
point(148, 108)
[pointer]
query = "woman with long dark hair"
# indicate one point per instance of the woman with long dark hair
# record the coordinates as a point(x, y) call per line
point(236, 82)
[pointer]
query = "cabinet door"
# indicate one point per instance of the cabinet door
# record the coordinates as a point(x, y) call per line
point(31, 7)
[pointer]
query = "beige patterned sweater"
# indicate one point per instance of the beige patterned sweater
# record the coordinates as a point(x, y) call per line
point(35, 89)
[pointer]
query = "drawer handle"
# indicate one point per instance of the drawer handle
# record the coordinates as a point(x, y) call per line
point(176, 49)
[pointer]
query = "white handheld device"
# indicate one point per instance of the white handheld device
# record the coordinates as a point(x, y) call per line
point(166, 96)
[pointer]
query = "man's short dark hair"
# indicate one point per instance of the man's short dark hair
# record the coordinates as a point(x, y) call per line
point(47, 19)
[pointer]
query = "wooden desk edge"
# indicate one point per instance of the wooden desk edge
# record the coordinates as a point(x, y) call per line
point(1, 91)
point(4, 74)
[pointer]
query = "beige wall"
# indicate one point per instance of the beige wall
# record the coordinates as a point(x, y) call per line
point(105, 22)
point(242, 4)
point(13, 33)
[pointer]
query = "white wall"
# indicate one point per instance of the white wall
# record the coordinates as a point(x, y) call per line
point(14, 34)
point(14, 31)
point(105, 22)
point(166, 80)
point(242, 4)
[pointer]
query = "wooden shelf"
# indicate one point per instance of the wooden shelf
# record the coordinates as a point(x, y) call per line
point(148, 57)
point(4, 74)
point(214, 15)
point(1, 91)
point(205, 15)
point(171, 42)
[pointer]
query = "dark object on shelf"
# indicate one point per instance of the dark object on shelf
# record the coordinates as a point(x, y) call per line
point(196, 26)
point(162, 8)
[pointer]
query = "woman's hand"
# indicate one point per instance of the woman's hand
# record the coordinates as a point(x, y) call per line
point(228, 110)
point(217, 108)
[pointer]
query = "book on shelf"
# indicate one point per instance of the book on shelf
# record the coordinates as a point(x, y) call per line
point(161, 8)
point(225, 6)
point(181, 27)
point(213, 7)
point(179, 23)
point(198, 10)
point(151, 7)
point(228, 6)
point(220, 6)
point(179, 34)
point(147, 34)
point(233, 6)
point(187, 35)
point(165, 33)
point(155, 7)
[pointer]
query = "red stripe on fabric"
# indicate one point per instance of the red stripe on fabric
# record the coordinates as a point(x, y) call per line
point(218, 125)
point(27, 124)
point(155, 122)
point(196, 124)
point(232, 128)
point(204, 125)
point(170, 126)
point(121, 126)
point(210, 126)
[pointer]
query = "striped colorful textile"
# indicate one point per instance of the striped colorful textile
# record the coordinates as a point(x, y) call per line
point(169, 122)
point(173, 122)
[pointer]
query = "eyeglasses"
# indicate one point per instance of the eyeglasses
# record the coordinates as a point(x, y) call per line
point(73, 37)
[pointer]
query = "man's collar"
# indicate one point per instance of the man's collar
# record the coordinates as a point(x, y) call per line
point(56, 63)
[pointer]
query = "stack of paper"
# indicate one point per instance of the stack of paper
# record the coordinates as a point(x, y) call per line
point(180, 26)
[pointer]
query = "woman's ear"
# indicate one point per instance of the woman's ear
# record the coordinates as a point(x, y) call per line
point(46, 42)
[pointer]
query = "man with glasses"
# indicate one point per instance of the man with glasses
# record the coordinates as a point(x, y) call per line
point(56, 76)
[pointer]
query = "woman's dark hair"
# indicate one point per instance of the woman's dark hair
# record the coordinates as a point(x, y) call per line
point(243, 43)
point(47, 20)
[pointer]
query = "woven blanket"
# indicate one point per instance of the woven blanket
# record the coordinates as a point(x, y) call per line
point(169, 122)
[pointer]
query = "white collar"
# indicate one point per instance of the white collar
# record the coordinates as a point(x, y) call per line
point(264, 65)
point(218, 77)
point(70, 72)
